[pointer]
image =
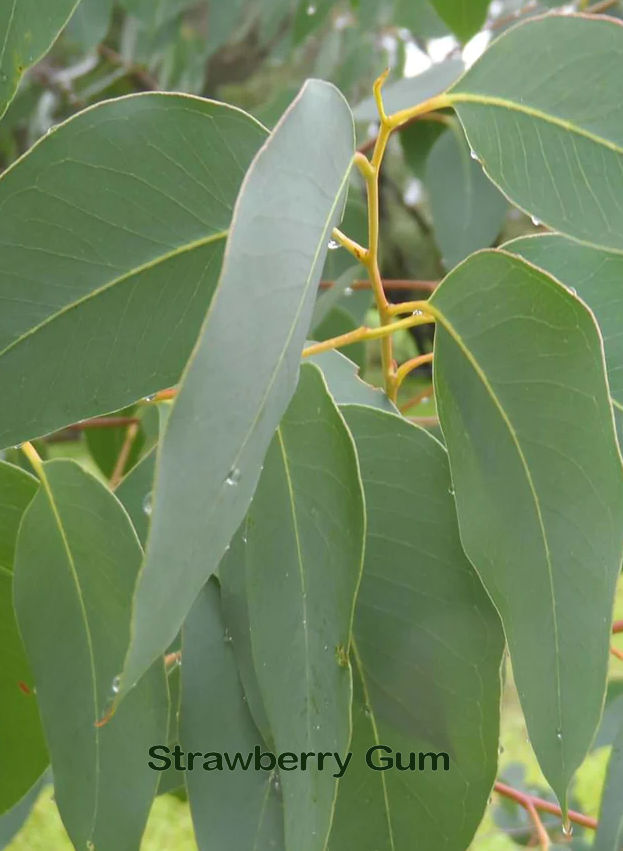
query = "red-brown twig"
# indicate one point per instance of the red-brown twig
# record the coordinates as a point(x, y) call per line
point(104, 422)
point(426, 393)
point(541, 804)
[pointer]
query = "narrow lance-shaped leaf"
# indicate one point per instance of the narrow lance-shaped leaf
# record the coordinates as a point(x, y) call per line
point(27, 31)
point(542, 111)
point(467, 209)
point(244, 368)
point(103, 292)
point(610, 828)
point(303, 557)
point(232, 809)
point(428, 653)
point(76, 562)
point(523, 402)
point(24, 754)
point(595, 276)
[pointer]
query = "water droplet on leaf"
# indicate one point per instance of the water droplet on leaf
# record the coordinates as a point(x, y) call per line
point(147, 504)
point(348, 291)
point(536, 222)
point(116, 684)
point(333, 244)
point(234, 476)
point(311, 9)
point(474, 155)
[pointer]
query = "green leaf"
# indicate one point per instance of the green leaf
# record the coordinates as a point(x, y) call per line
point(130, 195)
point(467, 209)
point(411, 90)
point(303, 556)
point(244, 367)
point(90, 22)
point(345, 385)
point(542, 111)
point(523, 402)
point(12, 821)
point(23, 749)
point(335, 295)
point(464, 17)
point(230, 809)
point(428, 652)
point(417, 140)
point(595, 276)
point(609, 835)
point(28, 31)
point(76, 563)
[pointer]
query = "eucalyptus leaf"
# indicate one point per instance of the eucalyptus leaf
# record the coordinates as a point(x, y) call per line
point(464, 17)
point(609, 836)
point(104, 290)
point(429, 648)
point(231, 810)
point(244, 368)
point(27, 31)
point(303, 556)
point(541, 110)
point(345, 385)
point(24, 754)
point(595, 276)
point(76, 561)
point(523, 402)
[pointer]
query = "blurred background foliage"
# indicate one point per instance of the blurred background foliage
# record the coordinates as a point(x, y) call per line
point(437, 206)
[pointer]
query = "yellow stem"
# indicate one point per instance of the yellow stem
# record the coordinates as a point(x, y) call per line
point(409, 366)
point(399, 118)
point(364, 333)
point(35, 459)
point(408, 307)
point(358, 251)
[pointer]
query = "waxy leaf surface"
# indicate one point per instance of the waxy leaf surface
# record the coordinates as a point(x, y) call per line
point(24, 754)
point(596, 277)
point(103, 291)
point(464, 17)
point(523, 402)
point(428, 652)
point(609, 835)
point(542, 110)
point(76, 563)
point(28, 28)
point(231, 810)
point(303, 559)
point(244, 368)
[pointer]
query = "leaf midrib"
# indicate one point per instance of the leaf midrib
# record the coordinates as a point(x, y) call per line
point(144, 267)
point(515, 439)
point(533, 112)
point(72, 567)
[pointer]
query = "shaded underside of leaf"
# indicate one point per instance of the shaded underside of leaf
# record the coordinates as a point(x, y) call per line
point(77, 557)
point(556, 153)
point(429, 647)
point(244, 368)
point(104, 290)
point(523, 403)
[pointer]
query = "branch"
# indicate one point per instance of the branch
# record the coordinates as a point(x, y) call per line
point(541, 804)
point(388, 284)
point(139, 75)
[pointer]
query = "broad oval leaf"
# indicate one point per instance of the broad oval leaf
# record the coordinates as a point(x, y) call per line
point(21, 737)
point(542, 111)
point(27, 32)
point(523, 402)
point(429, 648)
point(231, 809)
point(104, 290)
point(303, 559)
point(76, 563)
point(467, 209)
point(595, 276)
point(609, 835)
point(244, 368)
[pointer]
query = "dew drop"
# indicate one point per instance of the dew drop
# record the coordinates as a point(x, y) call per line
point(149, 398)
point(474, 155)
point(227, 637)
point(116, 685)
point(348, 291)
point(567, 829)
point(536, 222)
point(573, 290)
point(333, 244)
point(451, 490)
point(311, 9)
point(559, 735)
point(418, 313)
point(233, 477)
point(147, 504)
